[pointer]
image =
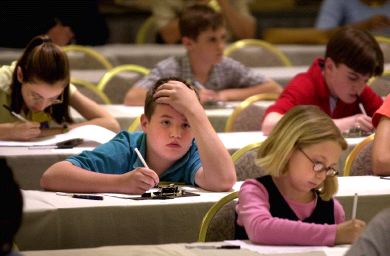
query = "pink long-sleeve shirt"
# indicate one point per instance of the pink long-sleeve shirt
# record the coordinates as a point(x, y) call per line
point(253, 212)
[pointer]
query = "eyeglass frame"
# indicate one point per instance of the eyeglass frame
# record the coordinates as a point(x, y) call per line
point(38, 98)
point(320, 167)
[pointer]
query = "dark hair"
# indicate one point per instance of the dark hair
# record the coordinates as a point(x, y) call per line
point(150, 103)
point(198, 18)
point(11, 214)
point(43, 61)
point(357, 49)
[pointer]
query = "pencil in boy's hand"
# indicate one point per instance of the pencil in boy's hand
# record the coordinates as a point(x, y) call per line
point(354, 206)
point(362, 109)
point(140, 157)
point(21, 118)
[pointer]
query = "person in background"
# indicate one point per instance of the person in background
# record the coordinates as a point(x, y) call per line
point(37, 88)
point(336, 83)
point(12, 213)
point(178, 144)
point(293, 203)
point(381, 146)
point(217, 78)
point(371, 15)
point(374, 241)
point(65, 22)
point(240, 23)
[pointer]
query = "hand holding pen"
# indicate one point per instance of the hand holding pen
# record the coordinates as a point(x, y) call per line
point(139, 180)
point(23, 130)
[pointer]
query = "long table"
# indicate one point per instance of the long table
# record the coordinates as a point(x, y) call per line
point(197, 249)
point(28, 165)
point(125, 115)
point(51, 221)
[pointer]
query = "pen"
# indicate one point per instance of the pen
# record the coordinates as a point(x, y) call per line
point(15, 114)
point(141, 158)
point(143, 162)
point(362, 109)
point(201, 246)
point(81, 196)
point(354, 206)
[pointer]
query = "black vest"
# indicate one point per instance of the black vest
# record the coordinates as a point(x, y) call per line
point(323, 212)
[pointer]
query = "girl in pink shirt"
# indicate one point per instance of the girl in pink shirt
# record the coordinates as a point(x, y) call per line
point(292, 204)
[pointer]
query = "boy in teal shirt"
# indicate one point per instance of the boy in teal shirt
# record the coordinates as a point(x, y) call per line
point(172, 121)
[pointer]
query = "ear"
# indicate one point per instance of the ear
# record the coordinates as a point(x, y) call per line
point(19, 74)
point(144, 123)
point(329, 64)
point(187, 42)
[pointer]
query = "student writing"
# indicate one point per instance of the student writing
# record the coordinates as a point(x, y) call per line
point(38, 88)
point(293, 203)
point(336, 83)
point(178, 144)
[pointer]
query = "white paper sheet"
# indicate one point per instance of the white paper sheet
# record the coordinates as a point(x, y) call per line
point(87, 132)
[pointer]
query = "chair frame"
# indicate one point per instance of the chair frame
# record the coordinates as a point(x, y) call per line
point(261, 43)
point(133, 126)
point(141, 35)
point(119, 69)
point(212, 212)
point(354, 153)
point(383, 39)
point(92, 87)
point(90, 52)
point(246, 103)
point(240, 152)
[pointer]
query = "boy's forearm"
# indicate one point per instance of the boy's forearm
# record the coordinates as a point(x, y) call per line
point(66, 177)
point(218, 168)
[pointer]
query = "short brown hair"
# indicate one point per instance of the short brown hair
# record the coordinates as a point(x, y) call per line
point(357, 49)
point(198, 18)
point(150, 103)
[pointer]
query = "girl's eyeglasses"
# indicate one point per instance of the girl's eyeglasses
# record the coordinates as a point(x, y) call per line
point(320, 167)
point(36, 98)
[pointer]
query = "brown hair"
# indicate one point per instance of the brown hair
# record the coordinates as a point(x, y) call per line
point(43, 61)
point(357, 49)
point(150, 103)
point(198, 18)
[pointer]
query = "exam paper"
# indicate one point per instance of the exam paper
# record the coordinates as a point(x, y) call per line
point(93, 133)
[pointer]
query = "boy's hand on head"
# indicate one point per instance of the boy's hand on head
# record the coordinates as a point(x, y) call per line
point(178, 96)
point(348, 231)
point(25, 130)
point(139, 180)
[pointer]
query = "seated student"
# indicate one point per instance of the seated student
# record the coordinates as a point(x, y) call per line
point(372, 15)
point(336, 83)
point(173, 117)
point(37, 88)
point(292, 204)
point(217, 78)
point(239, 21)
point(381, 146)
point(374, 241)
point(11, 215)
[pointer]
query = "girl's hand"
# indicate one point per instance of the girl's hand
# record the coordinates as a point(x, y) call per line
point(25, 131)
point(348, 231)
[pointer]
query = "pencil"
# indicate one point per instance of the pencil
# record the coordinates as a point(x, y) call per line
point(354, 206)
point(15, 114)
point(362, 109)
point(141, 158)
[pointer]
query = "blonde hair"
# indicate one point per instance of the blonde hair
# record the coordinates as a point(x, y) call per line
point(300, 127)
